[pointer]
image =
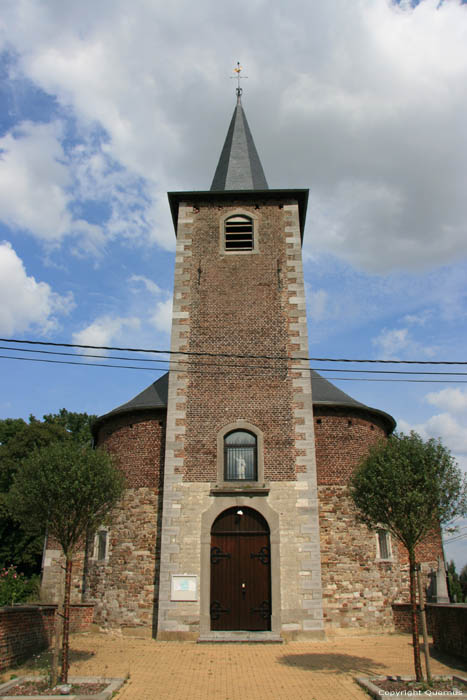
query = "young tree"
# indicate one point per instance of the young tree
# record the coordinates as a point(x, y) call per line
point(73, 489)
point(410, 487)
point(17, 440)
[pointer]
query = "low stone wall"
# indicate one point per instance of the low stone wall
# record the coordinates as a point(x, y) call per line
point(449, 628)
point(28, 629)
point(402, 621)
point(446, 622)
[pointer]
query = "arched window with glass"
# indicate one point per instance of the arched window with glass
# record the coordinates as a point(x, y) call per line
point(240, 456)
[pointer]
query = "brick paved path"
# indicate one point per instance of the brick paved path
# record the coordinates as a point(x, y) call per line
point(293, 671)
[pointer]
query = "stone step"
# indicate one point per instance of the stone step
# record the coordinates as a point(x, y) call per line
point(240, 636)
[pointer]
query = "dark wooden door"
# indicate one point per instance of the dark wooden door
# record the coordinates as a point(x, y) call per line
point(240, 571)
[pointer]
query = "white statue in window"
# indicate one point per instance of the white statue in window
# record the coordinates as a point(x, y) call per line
point(241, 467)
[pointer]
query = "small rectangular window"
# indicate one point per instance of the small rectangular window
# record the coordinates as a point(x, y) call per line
point(384, 549)
point(239, 233)
point(101, 545)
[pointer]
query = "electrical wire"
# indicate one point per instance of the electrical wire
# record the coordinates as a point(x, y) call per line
point(242, 356)
point(223, 364)
point(247, 374)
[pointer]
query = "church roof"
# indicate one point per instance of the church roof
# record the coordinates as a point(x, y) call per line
point(323, 391)
point(239, 166)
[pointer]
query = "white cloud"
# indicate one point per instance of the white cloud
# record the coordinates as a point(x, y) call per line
point(105, 330)
point(149, 285)
point(26, 304)
point(33, 180)
point(371, 114)
point(451, 431)
point(450, 399)
point(162, 317)
point(419, 319)
point(394, 343)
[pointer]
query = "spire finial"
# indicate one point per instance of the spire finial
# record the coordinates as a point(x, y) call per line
point(238, 69)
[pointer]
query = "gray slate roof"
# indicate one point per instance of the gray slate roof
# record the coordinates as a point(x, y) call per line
point(239, 166)
point(324, 394)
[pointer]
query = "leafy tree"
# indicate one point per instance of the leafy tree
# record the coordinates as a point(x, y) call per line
point(17, 440)
point(73, 489)
point(77, 424)
point(454, 584)
point(410, 487)
point(463, 582)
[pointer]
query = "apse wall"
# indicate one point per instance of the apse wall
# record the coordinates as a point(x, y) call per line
point(124, 585)
point(359, 584)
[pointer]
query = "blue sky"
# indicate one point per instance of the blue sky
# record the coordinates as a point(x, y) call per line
point(105, 107)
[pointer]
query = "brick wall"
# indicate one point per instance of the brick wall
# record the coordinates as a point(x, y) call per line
point(449, 628)
point(239, 303)
point(138, 441)
point(447, 624)
point(28, 629)
point(343, 438)
point(402, 618)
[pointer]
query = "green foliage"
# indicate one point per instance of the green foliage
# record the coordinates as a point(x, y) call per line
point(18, 440)
point(78, 425)
point(410, 487)
point(70, 487)
point(16, 588)
point(463, 581)
point(455, 589)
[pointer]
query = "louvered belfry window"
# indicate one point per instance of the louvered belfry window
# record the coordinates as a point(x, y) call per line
point(238, 233)
point(240, 456)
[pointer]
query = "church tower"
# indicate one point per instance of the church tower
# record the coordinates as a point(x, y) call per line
point(240, 550)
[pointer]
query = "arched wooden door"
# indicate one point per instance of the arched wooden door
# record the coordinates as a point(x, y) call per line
point(240, 571)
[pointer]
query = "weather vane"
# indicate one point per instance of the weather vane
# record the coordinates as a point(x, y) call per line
point(238, 69)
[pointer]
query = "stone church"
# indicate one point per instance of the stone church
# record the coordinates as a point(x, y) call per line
point(236, 522)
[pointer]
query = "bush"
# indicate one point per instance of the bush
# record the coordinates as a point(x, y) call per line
point(16, 588)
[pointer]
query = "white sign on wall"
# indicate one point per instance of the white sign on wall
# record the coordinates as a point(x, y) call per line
point(184, 587)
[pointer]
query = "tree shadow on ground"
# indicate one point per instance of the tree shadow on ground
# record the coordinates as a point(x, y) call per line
point(43, 661)
point(337, 663)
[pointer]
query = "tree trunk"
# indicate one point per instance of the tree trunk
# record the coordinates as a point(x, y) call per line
point(66, 621)
point(421, 600)
point(414, 617)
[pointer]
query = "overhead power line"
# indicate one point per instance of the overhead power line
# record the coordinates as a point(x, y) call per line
point(188, 363)
point(197, 369)
point(233, 355)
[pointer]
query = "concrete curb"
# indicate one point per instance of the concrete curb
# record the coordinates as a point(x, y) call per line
point(377, 693)
point(113, 685)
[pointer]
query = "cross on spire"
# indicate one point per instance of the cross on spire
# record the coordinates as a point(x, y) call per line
point(238, 69)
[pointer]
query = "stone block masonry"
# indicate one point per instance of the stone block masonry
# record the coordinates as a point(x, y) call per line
point(124, 583)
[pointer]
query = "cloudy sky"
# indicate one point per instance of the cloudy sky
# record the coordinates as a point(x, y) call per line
point(106, 106)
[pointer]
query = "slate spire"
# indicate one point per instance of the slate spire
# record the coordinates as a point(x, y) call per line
point(239, 166)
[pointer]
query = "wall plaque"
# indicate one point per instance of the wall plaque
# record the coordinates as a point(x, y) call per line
point(184, 587)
